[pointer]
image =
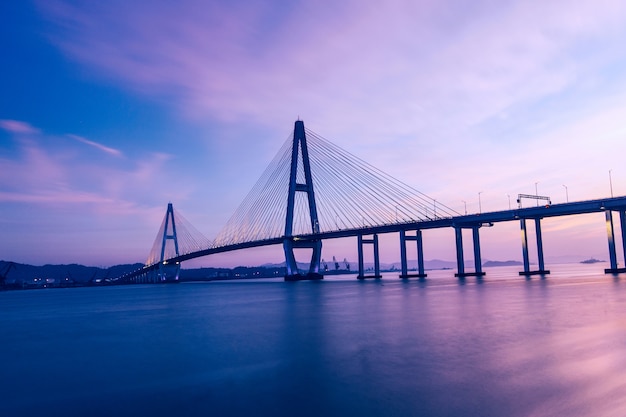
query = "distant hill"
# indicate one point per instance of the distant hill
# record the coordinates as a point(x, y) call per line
point(15, 273)
point(29, 276)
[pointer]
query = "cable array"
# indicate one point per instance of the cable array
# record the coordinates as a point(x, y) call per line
point(262, 213)
point(349, 194)
point(188, 237)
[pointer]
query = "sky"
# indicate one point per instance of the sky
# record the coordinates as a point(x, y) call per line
point(111, 110)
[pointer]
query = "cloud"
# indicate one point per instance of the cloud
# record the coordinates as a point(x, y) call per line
point(406, 64)
point(451, 97)
point(410, 75)
point(56, 197)
point(49, 171)
point(440, 81)
point(111, 151)
point(18, 127)
point(58, 201)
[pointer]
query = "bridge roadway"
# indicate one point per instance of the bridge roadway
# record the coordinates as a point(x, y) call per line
point(473, 221)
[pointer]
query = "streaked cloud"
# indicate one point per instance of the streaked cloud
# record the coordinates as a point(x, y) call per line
point(110, 151)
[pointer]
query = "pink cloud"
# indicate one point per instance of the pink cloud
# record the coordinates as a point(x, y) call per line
point(18, 127)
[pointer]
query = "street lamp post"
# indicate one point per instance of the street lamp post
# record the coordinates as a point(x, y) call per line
point(465, 205)
point(509, 196)
point(566, 195)
point(537, 193)
point(611, 182)
point(480, 207)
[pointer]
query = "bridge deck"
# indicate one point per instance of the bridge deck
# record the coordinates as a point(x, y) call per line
point(539, 212)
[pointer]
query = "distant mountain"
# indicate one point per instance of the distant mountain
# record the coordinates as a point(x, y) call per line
point(21, 275)
point(428, 264)
point(438, 264)
point(501, 263)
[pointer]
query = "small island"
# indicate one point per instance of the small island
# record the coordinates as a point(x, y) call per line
point(591, 261)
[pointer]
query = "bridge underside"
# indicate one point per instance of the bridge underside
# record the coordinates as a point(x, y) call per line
point(292, 272)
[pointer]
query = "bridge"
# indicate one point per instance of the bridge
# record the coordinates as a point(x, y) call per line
point(314, 191)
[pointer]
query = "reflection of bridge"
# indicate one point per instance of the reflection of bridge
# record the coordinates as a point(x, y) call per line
point(314, 190)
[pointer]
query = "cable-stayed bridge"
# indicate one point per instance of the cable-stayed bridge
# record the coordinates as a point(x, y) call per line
point(313, 190)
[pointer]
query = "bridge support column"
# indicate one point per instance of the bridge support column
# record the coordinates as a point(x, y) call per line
point(374, 242)
point(420, 255)
point(460, 262)
point(622, 221)
point(527, 271)
point(539, 246)
point(614, 269)
point(478, 266)
point(525, 247)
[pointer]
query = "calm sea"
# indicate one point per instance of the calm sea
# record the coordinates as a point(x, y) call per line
point(501, 346)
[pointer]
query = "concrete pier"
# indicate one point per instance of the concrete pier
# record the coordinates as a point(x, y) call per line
point(420, 255)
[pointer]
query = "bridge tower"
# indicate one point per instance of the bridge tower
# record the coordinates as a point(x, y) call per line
point(300, 149)
point(167, 272)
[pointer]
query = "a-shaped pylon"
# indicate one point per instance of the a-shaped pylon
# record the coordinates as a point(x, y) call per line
point(167, 271)
point(299, 148)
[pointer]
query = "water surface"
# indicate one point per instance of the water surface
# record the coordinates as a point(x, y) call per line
point(501, 346)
